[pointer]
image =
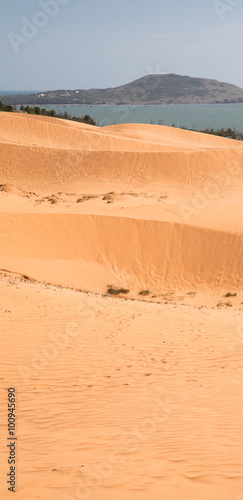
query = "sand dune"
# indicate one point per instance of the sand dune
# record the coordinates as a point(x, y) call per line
point(135, 253)
point(181, 238)
point(135, 396)
point(39, 155)
point(47, 132)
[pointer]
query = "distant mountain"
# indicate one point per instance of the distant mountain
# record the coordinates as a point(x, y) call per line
point(151, 89)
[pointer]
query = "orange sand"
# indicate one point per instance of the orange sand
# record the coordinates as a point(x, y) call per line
point(137, 396)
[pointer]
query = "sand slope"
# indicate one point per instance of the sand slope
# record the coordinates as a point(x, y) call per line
point(136, 253)
point(119, 398)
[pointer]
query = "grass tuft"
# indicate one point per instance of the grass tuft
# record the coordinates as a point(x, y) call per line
point(227, 304)
point(117, 291)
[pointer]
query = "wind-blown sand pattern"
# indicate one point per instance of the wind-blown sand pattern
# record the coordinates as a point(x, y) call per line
point(135, 396)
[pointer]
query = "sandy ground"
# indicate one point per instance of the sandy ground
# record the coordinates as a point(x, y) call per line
point(137, 395)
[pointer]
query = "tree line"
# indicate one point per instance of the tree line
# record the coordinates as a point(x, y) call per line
point(7, 107)
point(65, 116)
point(223, 132)
point(43, 112)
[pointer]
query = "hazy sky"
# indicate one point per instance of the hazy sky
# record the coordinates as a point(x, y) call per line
point(54, 44)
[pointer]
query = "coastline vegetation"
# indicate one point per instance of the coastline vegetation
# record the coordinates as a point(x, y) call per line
point(6, 107)
point(222, 132)
point(43, 112)
point(65, 116)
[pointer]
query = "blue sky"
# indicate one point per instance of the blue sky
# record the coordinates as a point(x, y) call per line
point(53, 44)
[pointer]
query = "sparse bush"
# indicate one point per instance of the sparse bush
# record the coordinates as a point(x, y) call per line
point(226, 304)
point(144, 292)
point(89, 196)
point(117, 291)
point(53, 200)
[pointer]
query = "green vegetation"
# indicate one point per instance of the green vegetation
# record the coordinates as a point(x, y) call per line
point(53, 200)
point(144, 292)
point(6, 108)
point(65, 116)
point(231, 294)
point(43, 112)
point(116, 291)
point(227, 304)
point(223, 132)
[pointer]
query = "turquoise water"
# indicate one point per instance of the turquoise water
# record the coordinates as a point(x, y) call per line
point(198, 116)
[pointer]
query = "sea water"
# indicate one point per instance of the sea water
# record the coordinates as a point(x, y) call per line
point(192, 116)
